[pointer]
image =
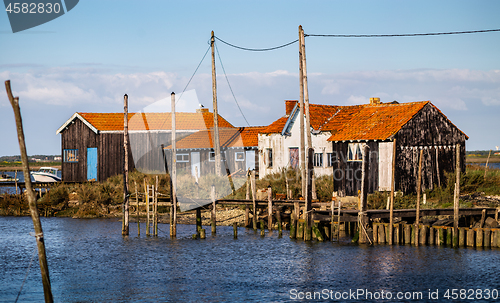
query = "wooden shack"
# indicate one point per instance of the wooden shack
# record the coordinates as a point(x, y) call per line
point(195, 153)
point(92, 143)
point(412, 126)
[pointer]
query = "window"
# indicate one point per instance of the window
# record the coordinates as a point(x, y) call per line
point(294, 157)
point(70, 155)
point(269, 157)
point(318, 160)
point(182, 157)
point(355, 152)
point(239, 156)
point(211, 156)
point(331, 158)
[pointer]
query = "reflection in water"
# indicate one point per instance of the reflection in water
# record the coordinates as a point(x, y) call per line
point(89, 261)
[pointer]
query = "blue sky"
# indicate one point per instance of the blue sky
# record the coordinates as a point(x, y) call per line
point(87, 59)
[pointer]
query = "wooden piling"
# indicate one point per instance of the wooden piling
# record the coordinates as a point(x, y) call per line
point(457, 196)
point(432, 236)
point(202, 233)
point(214, 211)
point(423, 235)
point(300, 229)
point(496, 238)
point(407, 233)
point(391, 208)
point(137, 203)
point(441, 234)
point(375, 227)
point(449, 236)
point(247, 195)
point(247, 215)
point(381, 234)
point(254, 209)
point(198, 220)
point(461, 236)
point(419, 189)
point(156, 207)
point(479, 237)
point(148, 214)
point(317, 232)
point(487, 238)
point(262, 231)
point(278, 219)
point(269, 208)
point(483, 218)
point(363, 218)
point(471, 237)
point(42, 257)
point(126, 219)
point(293, 229)
point(15, 181)
point(397, 233)
point(235, 230)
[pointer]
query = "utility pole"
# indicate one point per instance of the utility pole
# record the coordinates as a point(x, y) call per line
point(310, 150)
point(216, 113)
point(125, 225)
point(173, 176)
point(42, 257)
point(301, 120)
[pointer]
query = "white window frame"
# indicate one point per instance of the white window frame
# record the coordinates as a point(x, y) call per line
point(184, 158)
point(269, 157)
point(318, 160)
point(355, 152)
point(241, 156)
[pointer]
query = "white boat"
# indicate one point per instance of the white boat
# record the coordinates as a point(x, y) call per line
point(46, 174)
point(7, 178)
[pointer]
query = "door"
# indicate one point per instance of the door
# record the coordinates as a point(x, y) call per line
point(195, 164)
point(385, 150)
point(250, 159)
point(92, 164)
point(294, 157)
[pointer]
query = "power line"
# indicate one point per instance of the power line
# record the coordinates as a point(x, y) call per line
point(193, 74)
point(257, 49)
point(224, 70)
point(404, 35)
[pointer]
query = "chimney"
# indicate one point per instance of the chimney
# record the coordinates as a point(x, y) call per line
point(374, 101)
point(289, 105)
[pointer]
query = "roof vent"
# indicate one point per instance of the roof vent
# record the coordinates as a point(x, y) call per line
point(374, 101)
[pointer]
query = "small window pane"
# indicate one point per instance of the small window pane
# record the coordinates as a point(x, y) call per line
point(70, 155)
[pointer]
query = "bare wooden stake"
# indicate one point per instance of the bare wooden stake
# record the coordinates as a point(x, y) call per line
point(15, 180)
point(138, 211)
point(393, 181)
point(214, 210)
point(125, 225)
point(419, 189)
point(269, 208)
point(42, 257)
point(173, 174)
point(247, 196)
point(254, 209)
point(457, 196)
point(486, 166)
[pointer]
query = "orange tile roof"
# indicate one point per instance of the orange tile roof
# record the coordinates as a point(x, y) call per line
point(276, 126)
point(153, 121)
point(228, 137)
point(371, 122)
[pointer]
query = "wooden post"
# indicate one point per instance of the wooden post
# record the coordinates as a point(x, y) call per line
point(456, 199)
point(269, 208)
point(287, 188)
point(278, 219)
point(437, 167)
point(419, 189)
point(247, 215)
point(216, 113)
point(391, 209)
point(262, 231)
point(214, 210)
point(247, 195)
point(363, 218)
point(42, 257)
point(198, 220)
point(301, 120)
point(461, 236)
point(308, 208)
point(407, 233)
point(332, 210)
point(202, 233)
point(487, 237)
point(432, 236)
point(125, 225)
point(254, 219)
point(483, 218)
point(15, 180)
point(173, 174)
point(486, 166)
point(156, 207)
point(137, 202)
point(235, 230)
point(479, 237)
point(423, 235)
point(470, 237)
point(148, 212)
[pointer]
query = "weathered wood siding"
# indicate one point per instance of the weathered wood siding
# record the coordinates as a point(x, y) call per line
point(109, 152)
point(347, 174)
point(430, 130)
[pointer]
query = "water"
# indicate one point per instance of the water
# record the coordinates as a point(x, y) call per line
point(491, 165)
point(90, 261)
